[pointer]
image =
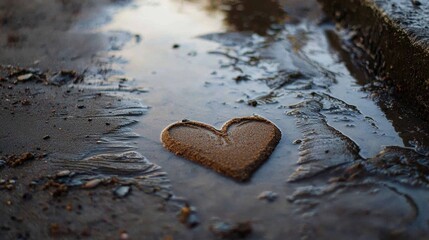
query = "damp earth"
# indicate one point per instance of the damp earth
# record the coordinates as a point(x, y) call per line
point(87, 88)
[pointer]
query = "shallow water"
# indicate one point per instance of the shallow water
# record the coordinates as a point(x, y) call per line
point(196, 66)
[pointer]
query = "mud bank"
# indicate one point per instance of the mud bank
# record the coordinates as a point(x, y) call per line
point(393, 37)
point(67, 152)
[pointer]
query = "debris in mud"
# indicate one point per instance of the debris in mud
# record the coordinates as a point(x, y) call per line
point(269, 98)
point(7, 184)
point(252, 103)
point(241, 78)
point(229, 230)
point(268, 196)
point(33, 74)
point(188, 216)
point(63, 77)
point(122, 191)
point(15, 160)
point(25, 102)
point(56, 189)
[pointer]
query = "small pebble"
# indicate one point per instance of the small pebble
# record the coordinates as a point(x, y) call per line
point(24, 77)
point(63, 173)
point(92, 183)
point(124, 235)
point(122, 191)
point(297, 141)
point(46, 137)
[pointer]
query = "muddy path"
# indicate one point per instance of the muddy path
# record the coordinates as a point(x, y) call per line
point(92, 84)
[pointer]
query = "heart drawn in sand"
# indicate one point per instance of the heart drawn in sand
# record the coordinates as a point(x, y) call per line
point(236, 150)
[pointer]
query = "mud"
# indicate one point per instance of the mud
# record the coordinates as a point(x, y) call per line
point(377, 27)
point(147, 64)
point(67, 147)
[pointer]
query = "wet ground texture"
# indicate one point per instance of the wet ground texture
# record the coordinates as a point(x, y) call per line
point(393, 38)
point(87, 87)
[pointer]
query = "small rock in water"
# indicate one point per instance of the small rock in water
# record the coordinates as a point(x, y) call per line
point(188, 216)
point(252, 103)
point(122, 191)
point(268, 195)
point(297, 141)
point(231, 230)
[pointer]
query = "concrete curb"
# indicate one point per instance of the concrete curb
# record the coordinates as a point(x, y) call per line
point(395, 35)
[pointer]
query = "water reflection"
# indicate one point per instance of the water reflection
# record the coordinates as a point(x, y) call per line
point(252, 15)
point(248, 15)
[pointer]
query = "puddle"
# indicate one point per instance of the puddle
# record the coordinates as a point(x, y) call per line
point(210, 61)
point(211, 73)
